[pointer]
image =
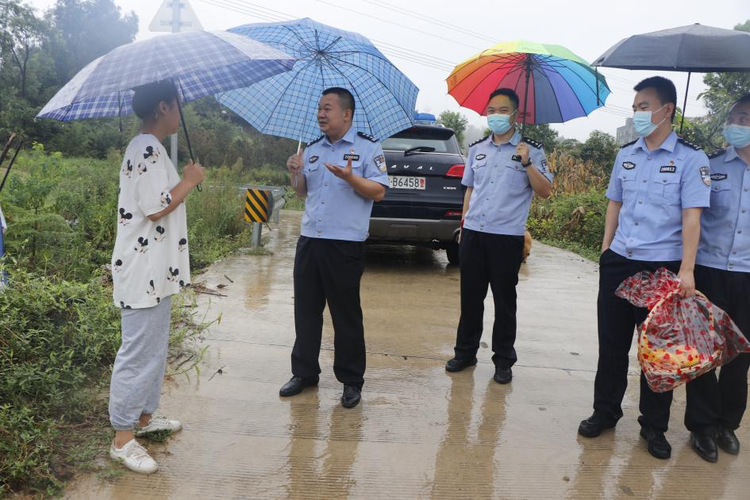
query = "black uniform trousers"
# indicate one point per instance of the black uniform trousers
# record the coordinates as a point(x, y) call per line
point(617, 319)
point(722, 402)
point(329, 271)
point(488, 260)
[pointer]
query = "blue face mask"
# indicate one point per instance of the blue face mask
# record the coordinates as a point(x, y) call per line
point(499, 123)
point(642, 122)
point(737, 135)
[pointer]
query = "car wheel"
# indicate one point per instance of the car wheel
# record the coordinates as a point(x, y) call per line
point(452, 252)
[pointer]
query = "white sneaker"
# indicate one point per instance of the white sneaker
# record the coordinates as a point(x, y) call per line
point(134, 457)
point(157, 424)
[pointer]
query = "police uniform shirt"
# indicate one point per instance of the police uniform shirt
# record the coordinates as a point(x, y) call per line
point(654, 187)
point(502, 192)
point(333, 210)
point(725, 227)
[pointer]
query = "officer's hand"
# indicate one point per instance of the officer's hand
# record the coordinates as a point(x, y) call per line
point(687, 283)
point(294, 163)
point(342, 173)
point(522, 150)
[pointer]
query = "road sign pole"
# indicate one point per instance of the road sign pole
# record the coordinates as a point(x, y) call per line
point(257, 229)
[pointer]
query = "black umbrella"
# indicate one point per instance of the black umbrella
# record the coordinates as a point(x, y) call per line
point(694, 48)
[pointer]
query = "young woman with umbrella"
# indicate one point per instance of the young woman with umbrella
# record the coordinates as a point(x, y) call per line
point(150, 263)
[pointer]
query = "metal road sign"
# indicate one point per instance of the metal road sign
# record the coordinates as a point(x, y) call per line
point(258, 205)
point(175, 16)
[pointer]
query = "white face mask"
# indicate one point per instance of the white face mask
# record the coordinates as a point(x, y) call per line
point(643, 124)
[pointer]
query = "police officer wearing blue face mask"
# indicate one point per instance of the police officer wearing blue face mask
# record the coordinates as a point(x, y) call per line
point(660, 184)
point(341, 174)
point(502, 173)
point(715, 408)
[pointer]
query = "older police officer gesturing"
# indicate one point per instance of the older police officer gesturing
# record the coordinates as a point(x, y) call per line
point(503, 171)
point(659, 187)
point(340, 174)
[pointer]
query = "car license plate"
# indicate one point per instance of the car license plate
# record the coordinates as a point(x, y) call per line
point(400, 182)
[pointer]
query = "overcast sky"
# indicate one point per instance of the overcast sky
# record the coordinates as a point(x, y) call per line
point(426, 38)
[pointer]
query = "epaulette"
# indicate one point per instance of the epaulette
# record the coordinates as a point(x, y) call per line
point(316, 140)
point(716, 154)
point(478, 141)
point(689, 144)
point(532, 142)
point(628, 144)
point(367, 136)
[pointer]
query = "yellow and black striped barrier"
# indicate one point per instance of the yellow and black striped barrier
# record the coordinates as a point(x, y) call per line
point(258, 205)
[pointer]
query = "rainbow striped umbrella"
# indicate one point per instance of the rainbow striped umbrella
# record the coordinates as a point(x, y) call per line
point(554, 85)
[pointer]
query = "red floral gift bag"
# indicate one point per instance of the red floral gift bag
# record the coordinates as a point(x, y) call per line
point(681, 338)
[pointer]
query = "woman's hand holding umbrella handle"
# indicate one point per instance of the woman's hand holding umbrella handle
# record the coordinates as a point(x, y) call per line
point(193, 173)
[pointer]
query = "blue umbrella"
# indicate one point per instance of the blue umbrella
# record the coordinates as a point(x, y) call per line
point(285, 105)
point(201, 63)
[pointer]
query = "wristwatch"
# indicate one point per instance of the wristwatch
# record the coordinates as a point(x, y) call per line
point(527, 164)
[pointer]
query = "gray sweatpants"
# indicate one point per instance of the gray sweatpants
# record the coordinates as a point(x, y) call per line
point(140, 363)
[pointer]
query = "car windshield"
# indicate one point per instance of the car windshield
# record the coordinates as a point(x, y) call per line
point(443, 140)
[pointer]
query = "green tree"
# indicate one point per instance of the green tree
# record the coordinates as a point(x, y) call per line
point(20, 35)
point(542, 133)
point(456, 121)
point(600, 148)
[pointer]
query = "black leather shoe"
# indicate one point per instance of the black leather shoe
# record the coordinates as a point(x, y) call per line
point(658, 446)
point(458, 364)
point(351, 397)
point(503, 375)
point(705, 446)
point(295, 386)
point(594, 425)
point(727, 441)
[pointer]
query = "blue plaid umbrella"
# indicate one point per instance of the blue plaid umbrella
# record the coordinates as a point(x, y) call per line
point(200, 63)
point(285, 105)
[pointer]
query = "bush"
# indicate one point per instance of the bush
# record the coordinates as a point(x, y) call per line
point(573, 221)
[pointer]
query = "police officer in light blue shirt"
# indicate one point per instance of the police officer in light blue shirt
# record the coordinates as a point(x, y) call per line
point(715, 407)
point(341, 174)
point(658, 188)
point(502, 173)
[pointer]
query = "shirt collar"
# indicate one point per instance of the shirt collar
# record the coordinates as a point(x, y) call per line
point(513, 140)
point(731, 154)
point(348, 137)
point(668, 145)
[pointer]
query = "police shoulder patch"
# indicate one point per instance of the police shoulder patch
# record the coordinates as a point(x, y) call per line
point(628, 144)
point(532, 142)
point(316, 140)
point(689, 144)
point(480, 140)
point(716, 154)
point(706, 175)
point(367, 136)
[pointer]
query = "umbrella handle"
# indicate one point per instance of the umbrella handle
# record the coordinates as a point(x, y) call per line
point(294, 180)
point(184, 127)
point(684, 103)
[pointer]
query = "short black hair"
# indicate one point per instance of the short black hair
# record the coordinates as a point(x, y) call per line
point(664, 88)
point(509, 93)
point(147, 97)
point(346, 99)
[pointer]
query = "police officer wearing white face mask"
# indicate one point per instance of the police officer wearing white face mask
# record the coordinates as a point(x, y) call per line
point(715, 407)
point(502, 173)
point(660, 184)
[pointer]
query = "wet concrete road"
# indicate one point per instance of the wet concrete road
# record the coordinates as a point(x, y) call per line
point(419, 432)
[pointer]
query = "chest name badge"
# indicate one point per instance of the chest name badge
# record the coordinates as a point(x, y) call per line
point(718, 177)
point(350, 156)
point(668, 169)
point(480, 157)
point(628, 165)
point(706, 175)
point(313, 159)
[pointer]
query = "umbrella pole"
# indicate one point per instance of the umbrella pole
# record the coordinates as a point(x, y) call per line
point(10, 165)
point(294, 180)
point(684, 103)
point(596, 82)
point(526, 94)
point(184, 127)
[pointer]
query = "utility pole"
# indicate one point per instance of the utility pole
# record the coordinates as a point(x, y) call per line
point(175, 16)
